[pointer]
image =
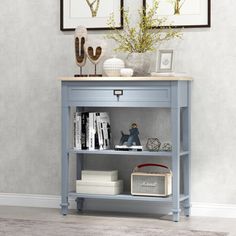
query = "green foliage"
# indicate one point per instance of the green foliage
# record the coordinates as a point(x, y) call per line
point(142, 37)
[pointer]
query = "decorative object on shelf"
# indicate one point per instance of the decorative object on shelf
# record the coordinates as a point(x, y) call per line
point(140, 62)
point(165, 61)
point(182, 13)
point(112, 67)
point(98, 175)
point(93, 14)
point(166, 147)
point(80, 54)
point(99, 182)
point(132, 138)
point(128, 148)
point(126, 72)
point(140, 38)
point(153, 144)
point(151, 183)
point(95, 51)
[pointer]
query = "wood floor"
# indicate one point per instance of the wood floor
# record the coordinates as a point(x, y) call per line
point(196, 223)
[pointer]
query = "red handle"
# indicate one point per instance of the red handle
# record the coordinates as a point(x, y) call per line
point(151, 164)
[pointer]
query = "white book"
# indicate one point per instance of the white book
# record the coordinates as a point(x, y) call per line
point(87, 130)
point(99, 130)
point(105, 133)
point(105, 121)
point(74, 129)
point(78, 130)
point(92, 131)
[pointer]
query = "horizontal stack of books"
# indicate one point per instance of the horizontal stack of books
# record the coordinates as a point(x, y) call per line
point(92, 130)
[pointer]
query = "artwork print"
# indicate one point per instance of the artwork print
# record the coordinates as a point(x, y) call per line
point(183, 13)
point(92, 14)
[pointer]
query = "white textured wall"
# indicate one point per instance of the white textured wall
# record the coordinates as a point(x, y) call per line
point(33, 53)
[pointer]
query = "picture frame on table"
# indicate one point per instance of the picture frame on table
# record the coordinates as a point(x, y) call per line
point(183, 13)
point(165, 61)
point(92, 14)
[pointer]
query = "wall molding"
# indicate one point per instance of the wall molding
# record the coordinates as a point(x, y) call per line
point(53, 201)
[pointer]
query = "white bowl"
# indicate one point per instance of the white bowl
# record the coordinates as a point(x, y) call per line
point(126, 72)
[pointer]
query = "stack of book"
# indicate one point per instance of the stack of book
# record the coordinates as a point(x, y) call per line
point(92, 130)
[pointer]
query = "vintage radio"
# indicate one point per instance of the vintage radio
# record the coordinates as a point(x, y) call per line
point(151, 183)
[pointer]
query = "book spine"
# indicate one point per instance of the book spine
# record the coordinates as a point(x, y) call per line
point(87, 129)
point(105, 120)
point(78, 130)
point(83, 130)
point(74, 130)
point(99, 130)
point(96, 132)
point(91, 131)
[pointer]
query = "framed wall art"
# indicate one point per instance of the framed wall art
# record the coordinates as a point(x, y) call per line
point(92, 14)
point(183, 13)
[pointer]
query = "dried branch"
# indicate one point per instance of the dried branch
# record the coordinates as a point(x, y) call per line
point(141, 37)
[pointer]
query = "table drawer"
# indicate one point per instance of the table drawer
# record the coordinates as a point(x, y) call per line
point(160, 94)
point(119, 94)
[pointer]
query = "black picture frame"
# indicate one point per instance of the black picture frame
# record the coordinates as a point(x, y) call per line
point(63, 27)
point(206, 25)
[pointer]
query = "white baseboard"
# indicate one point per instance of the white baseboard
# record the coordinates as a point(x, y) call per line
point(32, 200)
point(53, 201)
point(214, 210)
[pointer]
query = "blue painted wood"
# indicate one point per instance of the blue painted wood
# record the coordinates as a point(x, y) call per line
point(146, 96)
point(126, 153)
point(127, 196)
point(186, 124)
point(175, 136)
point(183, 93)
point(171, 94)
point(103, 94)
point(64, 152)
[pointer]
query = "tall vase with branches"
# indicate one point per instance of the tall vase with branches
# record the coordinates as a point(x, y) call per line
point(140, 38)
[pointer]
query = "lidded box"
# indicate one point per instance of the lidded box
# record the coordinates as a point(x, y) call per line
point(90, 187)
point(99, 182)
point(99, 176)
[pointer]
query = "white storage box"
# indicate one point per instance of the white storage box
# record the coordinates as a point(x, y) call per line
point(112, 188)
point(99, 176)
point(151, 183)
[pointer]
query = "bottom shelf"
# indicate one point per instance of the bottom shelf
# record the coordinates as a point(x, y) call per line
point(126, 197)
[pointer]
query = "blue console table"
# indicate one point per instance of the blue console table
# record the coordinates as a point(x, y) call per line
point(169, 92)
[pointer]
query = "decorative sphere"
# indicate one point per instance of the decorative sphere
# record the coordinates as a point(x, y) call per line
point(166, 147)
point(153, 144)
point(112, 66)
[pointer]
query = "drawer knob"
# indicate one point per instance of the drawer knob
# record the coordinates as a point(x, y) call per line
point(118, 93)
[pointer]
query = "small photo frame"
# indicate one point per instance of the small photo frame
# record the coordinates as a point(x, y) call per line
point(165, 61)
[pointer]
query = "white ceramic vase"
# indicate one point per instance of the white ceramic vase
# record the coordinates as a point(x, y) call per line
point(112, 66)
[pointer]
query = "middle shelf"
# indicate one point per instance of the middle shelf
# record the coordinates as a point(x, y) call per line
point(125, 153)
